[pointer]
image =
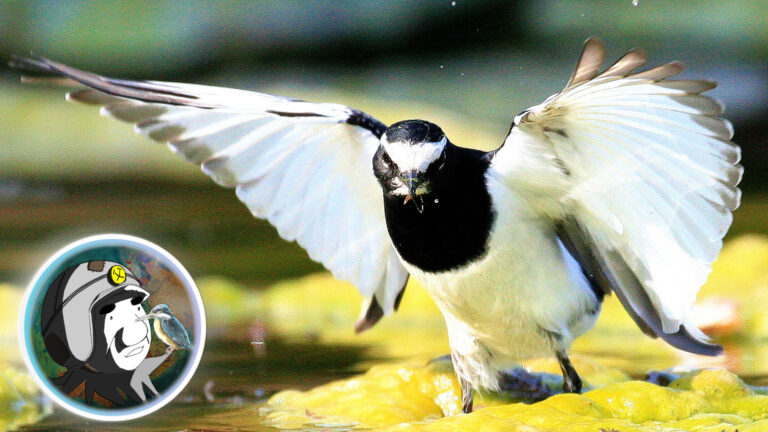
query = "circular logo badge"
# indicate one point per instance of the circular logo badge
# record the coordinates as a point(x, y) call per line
point(116, 275)
point(112, 327)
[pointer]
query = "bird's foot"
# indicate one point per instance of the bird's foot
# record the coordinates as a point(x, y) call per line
point(526, 386)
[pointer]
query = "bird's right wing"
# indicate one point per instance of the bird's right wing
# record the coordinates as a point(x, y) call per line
point(639, 175)
point(305, 167)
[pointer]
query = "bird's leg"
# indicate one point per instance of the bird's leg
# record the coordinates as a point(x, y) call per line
point(571, 379)
point(467, 396)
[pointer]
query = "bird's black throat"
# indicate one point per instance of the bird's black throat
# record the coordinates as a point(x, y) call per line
point(453, 227)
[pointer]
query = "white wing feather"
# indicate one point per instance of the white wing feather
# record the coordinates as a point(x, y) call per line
point(300, 165)
point(643, 163)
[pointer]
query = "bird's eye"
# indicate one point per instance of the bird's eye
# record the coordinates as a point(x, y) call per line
point(386, 158)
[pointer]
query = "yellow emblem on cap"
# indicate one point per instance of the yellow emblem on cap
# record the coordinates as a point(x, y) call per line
point(116, 275)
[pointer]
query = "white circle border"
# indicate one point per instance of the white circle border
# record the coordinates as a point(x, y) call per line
point(139, 410)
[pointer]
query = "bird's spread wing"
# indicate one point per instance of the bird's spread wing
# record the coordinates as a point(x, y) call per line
point(638, 173)
point(305, 167)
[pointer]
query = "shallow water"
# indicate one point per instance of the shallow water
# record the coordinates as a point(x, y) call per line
point(212, 233)
point(230, 377)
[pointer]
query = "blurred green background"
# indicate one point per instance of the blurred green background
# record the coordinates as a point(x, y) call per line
point(469, 66)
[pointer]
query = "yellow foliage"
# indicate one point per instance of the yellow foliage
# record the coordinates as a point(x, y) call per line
point(408, 394)
point(383, 399)
point(20, 401)
point(225, 301)
point(399, 392)
point(741, 269)
point(321, 306)
point(10, 299)
point(409, 397)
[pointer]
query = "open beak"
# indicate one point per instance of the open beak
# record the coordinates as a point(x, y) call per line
point(413, 181)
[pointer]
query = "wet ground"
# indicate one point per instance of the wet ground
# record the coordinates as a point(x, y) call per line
point(213, 234)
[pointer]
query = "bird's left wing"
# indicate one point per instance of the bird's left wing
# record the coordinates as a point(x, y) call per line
point(305, 167)
point(176, 331)
point(638, 174)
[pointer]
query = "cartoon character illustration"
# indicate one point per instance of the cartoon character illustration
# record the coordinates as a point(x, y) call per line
point(91, 325)
point(168, 328)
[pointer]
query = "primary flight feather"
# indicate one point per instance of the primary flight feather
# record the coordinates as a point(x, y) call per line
point(621, 183)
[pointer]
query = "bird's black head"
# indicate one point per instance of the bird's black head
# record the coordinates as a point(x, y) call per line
point(409, 158)
point(414, 132)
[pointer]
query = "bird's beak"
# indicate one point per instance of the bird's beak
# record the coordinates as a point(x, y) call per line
point(145, 317)
point(413, 180)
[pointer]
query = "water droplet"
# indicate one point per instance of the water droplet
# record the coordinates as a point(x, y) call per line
point(453, 3)
point(635, 2)
point(437, 200)
point(441, 66)
point(462, 74)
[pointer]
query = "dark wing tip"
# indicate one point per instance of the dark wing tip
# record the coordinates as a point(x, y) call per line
point(137, 90)
point(33, 63)
point(684, 340)
point(365, 121)
point(593, 42)
point(610, 271)
point(627, 63)
point(662, 72)
point(590, 62)
point(372, 315)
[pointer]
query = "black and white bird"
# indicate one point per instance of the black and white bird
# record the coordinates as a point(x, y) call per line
point(622, 183)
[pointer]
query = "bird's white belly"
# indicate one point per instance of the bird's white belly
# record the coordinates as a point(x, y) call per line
point(506, 306)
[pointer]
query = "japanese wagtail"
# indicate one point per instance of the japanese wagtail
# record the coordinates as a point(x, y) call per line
point(622, 182)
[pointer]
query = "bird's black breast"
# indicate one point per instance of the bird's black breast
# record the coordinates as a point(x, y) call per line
point(457, 217)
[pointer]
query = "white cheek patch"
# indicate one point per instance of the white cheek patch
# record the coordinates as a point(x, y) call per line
point(413, 157)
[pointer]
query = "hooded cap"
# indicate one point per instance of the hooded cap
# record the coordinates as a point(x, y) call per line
point(89, 283)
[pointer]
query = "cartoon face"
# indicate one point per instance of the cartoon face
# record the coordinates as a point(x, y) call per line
point(127, 338)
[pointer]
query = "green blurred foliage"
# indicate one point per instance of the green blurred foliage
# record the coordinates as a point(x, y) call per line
point(467, 65)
